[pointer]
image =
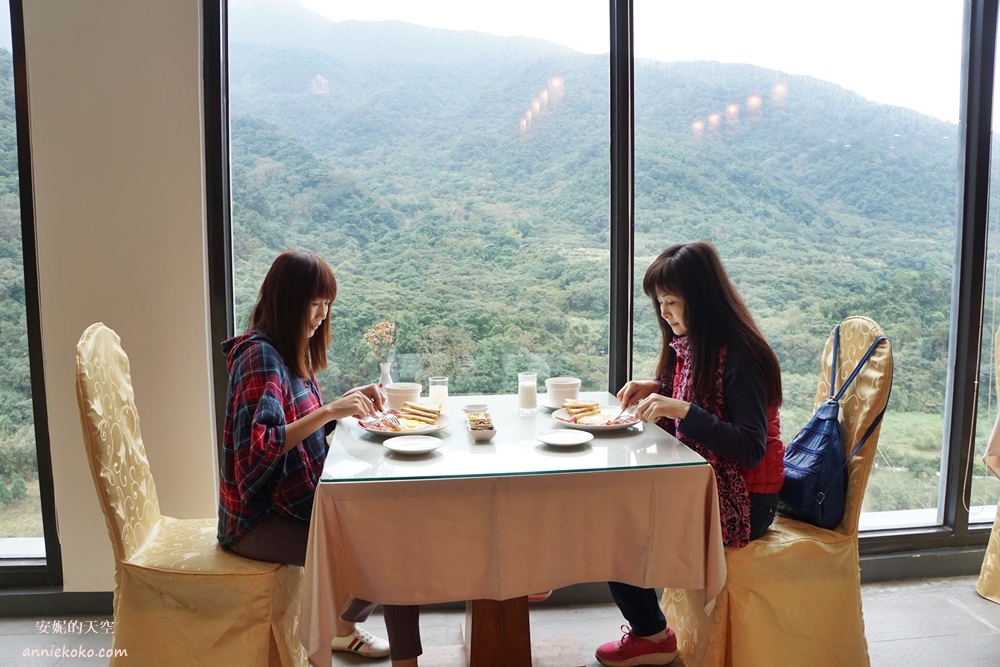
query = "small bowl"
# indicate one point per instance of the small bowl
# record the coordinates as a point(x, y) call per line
point(483, 435)
point(475, 408)
point(481, 426)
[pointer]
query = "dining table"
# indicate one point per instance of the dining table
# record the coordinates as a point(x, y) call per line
point(489, 523)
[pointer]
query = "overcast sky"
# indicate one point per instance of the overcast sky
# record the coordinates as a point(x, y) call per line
point(901, 52)
point(5, 38)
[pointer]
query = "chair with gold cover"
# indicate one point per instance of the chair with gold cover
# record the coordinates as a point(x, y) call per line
point(988, 584)
point(179, 599)
point(793, 596)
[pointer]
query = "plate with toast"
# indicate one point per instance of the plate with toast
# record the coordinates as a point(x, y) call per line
point(592, 416)
point(411, 419)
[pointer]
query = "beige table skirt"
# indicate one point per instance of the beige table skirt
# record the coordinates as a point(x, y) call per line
point(432, 541)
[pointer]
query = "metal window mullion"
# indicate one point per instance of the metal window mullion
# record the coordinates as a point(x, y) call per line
point(622, 230)
point(970, 261)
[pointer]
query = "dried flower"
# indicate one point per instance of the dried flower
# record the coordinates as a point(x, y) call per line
point(381, 338)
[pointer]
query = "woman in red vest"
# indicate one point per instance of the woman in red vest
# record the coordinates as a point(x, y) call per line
point(718, 389)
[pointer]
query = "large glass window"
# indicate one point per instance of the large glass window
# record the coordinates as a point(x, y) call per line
point(450, 161)
point(817, 147)
point(21, 533)
point(985, 486)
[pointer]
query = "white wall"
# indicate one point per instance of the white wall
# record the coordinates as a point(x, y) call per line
point(115, 118)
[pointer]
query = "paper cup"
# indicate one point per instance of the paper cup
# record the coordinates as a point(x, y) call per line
point(397, 393)
point(561, 388)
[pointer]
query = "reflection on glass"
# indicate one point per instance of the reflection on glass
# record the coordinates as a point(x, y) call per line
point(450, 161)
point(826, 177)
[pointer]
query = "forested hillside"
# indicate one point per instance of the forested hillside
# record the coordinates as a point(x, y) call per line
point(15, 395)
point(17, 438)
point(393, 151)
point(850, 204)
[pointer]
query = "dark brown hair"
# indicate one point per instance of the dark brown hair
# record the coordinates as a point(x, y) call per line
point(296, 278)
point(714, 314)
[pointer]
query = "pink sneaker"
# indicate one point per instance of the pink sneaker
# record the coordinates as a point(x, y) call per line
point(632, 650)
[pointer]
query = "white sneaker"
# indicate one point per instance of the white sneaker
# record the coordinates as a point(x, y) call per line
point(361, 642)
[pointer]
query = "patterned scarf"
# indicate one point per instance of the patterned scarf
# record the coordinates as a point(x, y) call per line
point(734, 500)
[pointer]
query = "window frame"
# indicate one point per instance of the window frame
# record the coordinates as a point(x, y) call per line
point(46, 571)
point(953, 547)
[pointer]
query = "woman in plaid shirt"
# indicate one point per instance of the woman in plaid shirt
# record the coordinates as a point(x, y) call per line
point(275, 437)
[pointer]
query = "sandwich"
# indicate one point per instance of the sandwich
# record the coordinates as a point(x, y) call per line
point(577, 408)
point(420, 413)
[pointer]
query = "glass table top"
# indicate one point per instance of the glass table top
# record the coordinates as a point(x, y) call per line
point(359, 455)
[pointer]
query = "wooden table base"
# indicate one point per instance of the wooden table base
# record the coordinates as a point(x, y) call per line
point(498, 634)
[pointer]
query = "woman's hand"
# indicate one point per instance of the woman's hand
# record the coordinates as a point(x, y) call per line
point(635, 391)
point(655, 406)
point(359, 402)
point(373, 393)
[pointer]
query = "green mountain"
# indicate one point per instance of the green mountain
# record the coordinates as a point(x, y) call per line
point(400, 154)
point(15, 382)
point(432, 205)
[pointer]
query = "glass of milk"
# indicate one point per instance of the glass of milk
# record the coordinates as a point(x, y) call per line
point(437, 392)
point(527, 393)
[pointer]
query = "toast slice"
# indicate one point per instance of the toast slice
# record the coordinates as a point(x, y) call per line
point(420, 413)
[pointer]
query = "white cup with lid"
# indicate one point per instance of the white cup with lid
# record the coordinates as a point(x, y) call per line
point(560, 388)
point(397, 393)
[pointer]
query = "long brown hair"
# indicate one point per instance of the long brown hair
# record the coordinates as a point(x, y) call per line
point(296, 278)
point(714, 314)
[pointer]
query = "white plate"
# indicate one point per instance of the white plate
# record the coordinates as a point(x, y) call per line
point(443, 422)
point(607, 411)
point(413, 444)
point(565, 437)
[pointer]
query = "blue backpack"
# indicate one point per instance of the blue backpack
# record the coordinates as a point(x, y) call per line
point(815, 486)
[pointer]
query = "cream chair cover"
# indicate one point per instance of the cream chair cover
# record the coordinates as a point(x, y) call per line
point(179, 598)
point(793, 597)
point(988, 585)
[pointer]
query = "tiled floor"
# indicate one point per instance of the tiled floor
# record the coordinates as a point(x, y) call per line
point(933, 622)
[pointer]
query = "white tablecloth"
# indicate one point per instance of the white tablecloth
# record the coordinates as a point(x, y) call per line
point(442, 540)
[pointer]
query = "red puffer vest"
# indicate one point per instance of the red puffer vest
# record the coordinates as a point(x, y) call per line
point(768, 475)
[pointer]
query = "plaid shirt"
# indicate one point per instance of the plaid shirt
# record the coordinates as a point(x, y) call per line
point(255, 478)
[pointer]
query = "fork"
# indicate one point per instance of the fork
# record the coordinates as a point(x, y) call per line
point(625, 408)
point(389, 418)
point(380, 416)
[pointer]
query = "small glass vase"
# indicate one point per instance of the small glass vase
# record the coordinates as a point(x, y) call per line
point(385, 378)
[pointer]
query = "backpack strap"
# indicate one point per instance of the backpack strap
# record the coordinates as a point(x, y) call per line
point(871, 428)
point(857, 369)
point(833, 366)
point(878, 419)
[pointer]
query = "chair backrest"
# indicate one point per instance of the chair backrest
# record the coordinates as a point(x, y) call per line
point(992, 456)
point(111, 433)
point(860, 405)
